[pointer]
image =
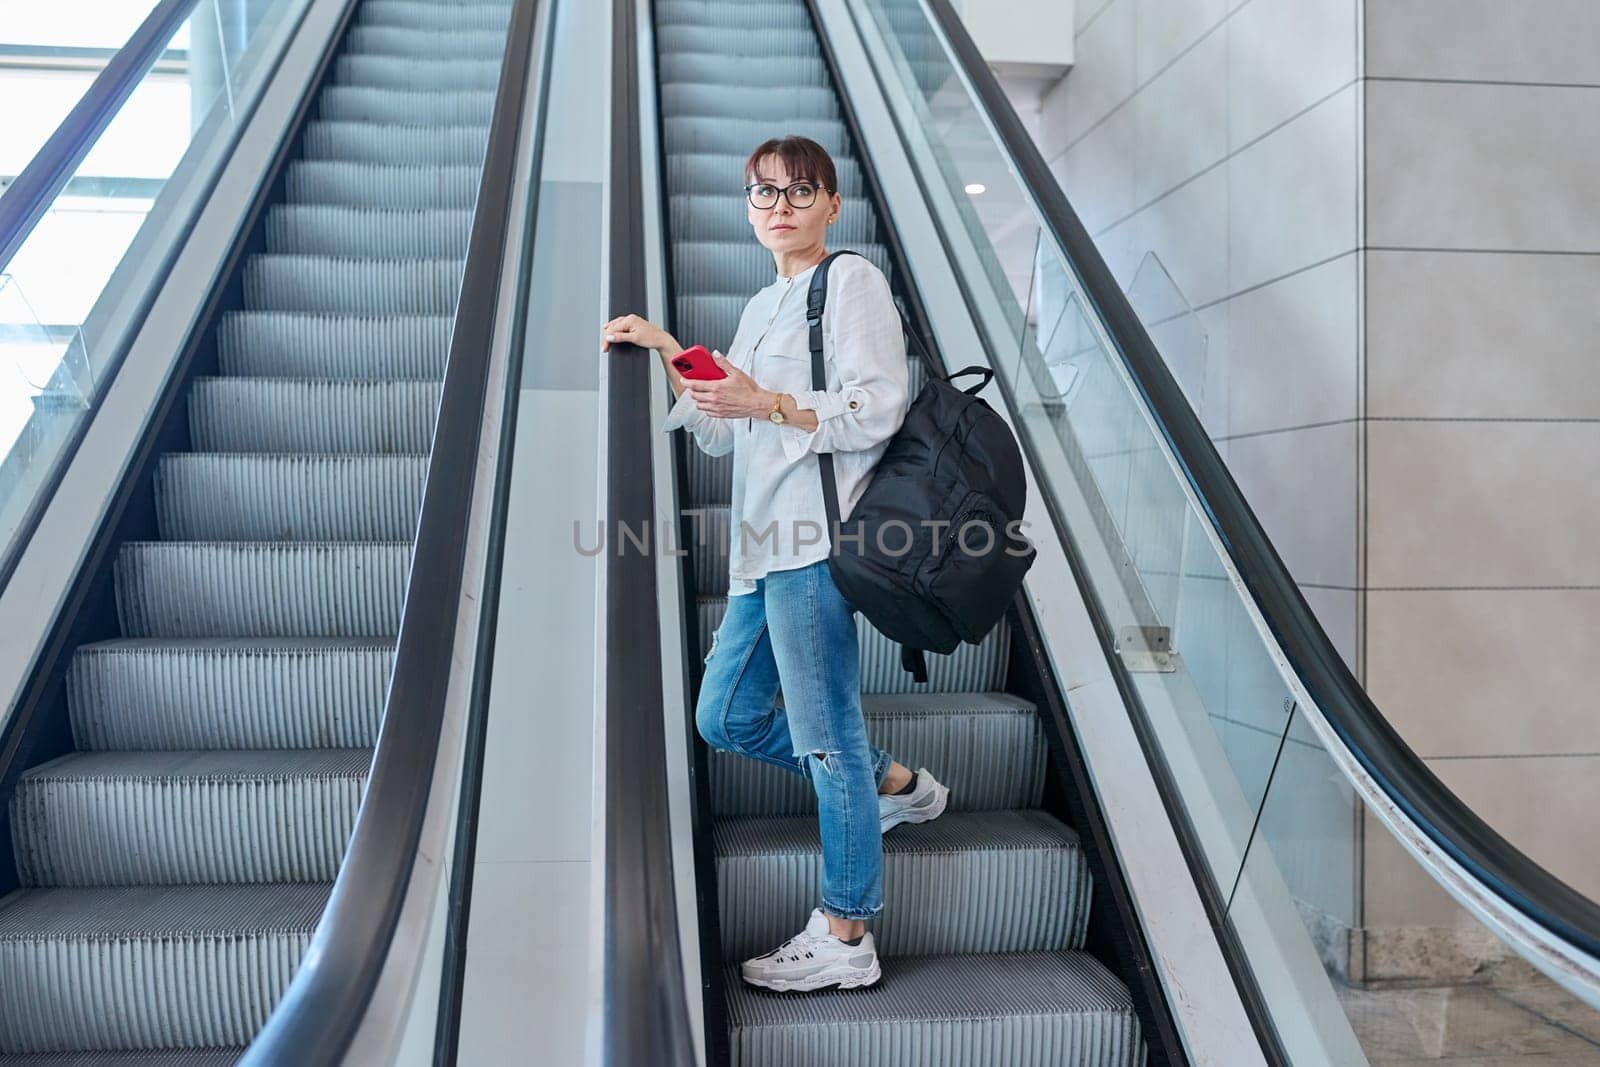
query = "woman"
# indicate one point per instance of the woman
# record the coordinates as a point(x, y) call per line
point(787, 624)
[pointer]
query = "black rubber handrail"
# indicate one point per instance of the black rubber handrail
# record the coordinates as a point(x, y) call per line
point(645, 1005)
point(26, 200)
point(1398, 771)
point(323, 1008)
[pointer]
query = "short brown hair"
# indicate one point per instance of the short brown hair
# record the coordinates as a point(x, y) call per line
point(801, 157)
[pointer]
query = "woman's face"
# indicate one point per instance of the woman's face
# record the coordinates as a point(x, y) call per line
point(783, 228)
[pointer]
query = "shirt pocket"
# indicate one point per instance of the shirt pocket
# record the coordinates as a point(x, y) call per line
point(783, 371)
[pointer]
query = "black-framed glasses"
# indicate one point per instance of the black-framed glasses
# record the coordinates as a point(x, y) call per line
point(764, 195)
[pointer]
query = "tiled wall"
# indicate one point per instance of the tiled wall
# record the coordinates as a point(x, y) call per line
point(1386, 215)
point(1483, 405)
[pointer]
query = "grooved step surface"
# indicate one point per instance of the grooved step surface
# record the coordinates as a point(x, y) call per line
point(255, 589)
point(171, 818)
point(381, 185)
point(287, 344)
point(732, 14)
point(711, 100)
point(425, 43)
point(743, 72)
point(1025, 1009)
point(694, 133)
point(1002, 881)
point(988, 749)
point(968, 667)
point(330, 230)
point(356, 103)
point(411, 13)
point(243, 497)
point(394, 72)
point(223, 1057)
point(149, 967)
point(417, 146)
point(287, 415)
point(352, 286)
point(228, 693)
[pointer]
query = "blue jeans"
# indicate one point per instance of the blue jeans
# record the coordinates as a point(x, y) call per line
point(796, 628)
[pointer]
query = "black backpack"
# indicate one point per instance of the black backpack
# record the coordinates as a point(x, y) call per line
point(929, 556)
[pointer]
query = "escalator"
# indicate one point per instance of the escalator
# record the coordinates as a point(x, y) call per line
point(1160, 768)
point(171, 867)
point(986, 909)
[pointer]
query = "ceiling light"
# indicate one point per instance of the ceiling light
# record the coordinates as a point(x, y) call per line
point(976, 188)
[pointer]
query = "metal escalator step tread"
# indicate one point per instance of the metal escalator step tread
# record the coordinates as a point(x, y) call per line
point(689, 133)
point(357, 103)
point(378, 142)
point(352, 286)
point(307, 415)
point(187, 818)
point(769, 41)
point(414, 15)
point(290, 344)
point(161, 1057)
point(721, 68)
point(988, 749)
point(247, 497)
point(429, 43)
point(149, 966)
point(228, 693)
point(993, 881)
point(972, 668)
point(735, 268)
point(252, 589)
point(409, 72)
point(722, 174)
point(710, 99)
point(380, 185)
point(1024, 1009)
point(327, 230)
point(733, 14)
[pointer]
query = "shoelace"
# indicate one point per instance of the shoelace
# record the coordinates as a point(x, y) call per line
point(803, 943)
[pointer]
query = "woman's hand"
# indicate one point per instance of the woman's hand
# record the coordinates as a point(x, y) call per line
point(636, 330)
point(735, 397)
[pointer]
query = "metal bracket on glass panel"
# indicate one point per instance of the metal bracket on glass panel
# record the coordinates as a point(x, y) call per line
point(1146, 649)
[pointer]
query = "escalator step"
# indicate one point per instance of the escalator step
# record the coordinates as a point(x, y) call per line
point(325, 230)
point(722, 174)
point(378, 185)
point(286, 344)
point(225, 589)
point(699, 98)
point(723, 218)
point(228, 693)
point(769, 42)
point(243, 497)
point(739, 268)
point(359, 103)
point(425, 43)
point(733, 15)
point(1024, 1009)
point(222, 1057)
point(417, 15)
point(968, 882)
point(691, 133)
point(709, 320)
point(988, 749)
point(392, 72)
point(148, 967)
point(417, 146)
point(352, 286)
point(173, 818)
point(739, 72)
point(294, 415)
point(968, 667)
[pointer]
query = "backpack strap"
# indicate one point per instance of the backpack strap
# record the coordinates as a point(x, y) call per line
point(913, 662)
point(816, 298)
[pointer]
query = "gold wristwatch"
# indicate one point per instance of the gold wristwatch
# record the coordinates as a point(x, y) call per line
point(775, 416)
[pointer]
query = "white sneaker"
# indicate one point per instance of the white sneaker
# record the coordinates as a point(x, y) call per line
point(923, 804)
point(814, 959)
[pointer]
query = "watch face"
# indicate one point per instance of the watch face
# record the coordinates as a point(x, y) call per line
point(776, 416)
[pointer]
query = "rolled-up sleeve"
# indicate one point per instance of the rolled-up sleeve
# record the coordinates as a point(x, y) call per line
point(869, 357)
point(714, 436)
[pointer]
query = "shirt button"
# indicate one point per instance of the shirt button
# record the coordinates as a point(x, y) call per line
point(852, 404)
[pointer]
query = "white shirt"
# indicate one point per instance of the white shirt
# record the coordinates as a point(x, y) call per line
point(778, 520)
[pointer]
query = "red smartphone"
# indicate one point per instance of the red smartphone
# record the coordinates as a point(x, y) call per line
point(697, 363)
